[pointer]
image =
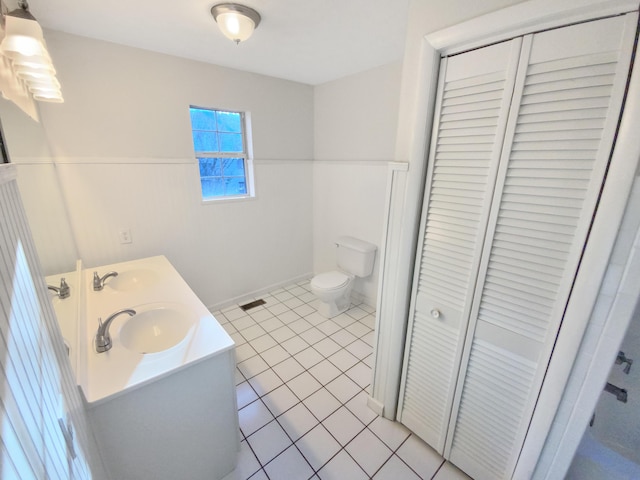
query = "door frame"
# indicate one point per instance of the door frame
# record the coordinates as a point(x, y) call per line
point(514, 21)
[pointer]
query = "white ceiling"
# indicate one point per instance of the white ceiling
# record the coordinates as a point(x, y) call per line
point(308, 41)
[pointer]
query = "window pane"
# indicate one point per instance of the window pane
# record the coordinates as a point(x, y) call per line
point(230, 142)
point(229, 122)
point(233, 167)
point(203, 119)
point(210, 167)
point(236, 186)
point(212, 187)
point(205, 141)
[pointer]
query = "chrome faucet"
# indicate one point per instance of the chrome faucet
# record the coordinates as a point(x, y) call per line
point(103, 339)
point(98, 282)
point(63, 291)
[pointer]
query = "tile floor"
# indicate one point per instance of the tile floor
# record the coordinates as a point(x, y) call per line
point(302, 384)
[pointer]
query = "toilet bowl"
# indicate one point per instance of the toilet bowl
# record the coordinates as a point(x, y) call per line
point(333, 289)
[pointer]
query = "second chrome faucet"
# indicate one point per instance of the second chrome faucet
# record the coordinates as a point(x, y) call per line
point(98, 281)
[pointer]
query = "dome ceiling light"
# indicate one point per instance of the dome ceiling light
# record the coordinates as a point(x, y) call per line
point(236, 22)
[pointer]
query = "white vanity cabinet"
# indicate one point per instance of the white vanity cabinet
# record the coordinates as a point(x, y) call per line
point(523, 133)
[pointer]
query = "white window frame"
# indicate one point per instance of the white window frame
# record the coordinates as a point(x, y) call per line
point(246, 155)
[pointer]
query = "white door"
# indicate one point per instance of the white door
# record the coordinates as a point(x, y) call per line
point(561, 122)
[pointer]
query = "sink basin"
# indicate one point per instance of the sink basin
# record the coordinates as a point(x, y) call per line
point(156, 329)
point(132, 280)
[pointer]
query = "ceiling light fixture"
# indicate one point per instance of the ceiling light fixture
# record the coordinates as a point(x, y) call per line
point(237, 22)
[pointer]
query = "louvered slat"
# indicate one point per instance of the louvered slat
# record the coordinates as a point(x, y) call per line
point(490, 413)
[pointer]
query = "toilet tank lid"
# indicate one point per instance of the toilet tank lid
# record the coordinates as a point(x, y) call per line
point(355, 244)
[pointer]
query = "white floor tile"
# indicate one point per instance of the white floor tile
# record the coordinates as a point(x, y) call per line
point(358, 406)
point(300, 325)
point(253, 366)
point(298, 290)
point(303, 385)
point(361, 374)
point(343, 338)
point(288, 369)
point(289, 465)
point(304, 310)
point(245, 394)
point(268, 442)
point(342, 467)
point(359, 349)
point(318, 446)
point(247, 461)
point(271, 324)
point(293, 302)
point(263, 343)
point(307, 297)
point(243, 322)
point(450, 472)
point(315, 318)
point(252, 332)
point(321, 404)
point(344, 320)
point(283, 333)
point(369, 338)
point(308, 357)
point(358, 329)
point(294, 345)
point(329, 327)
point(264, 382)
point(233, 313)
point(327, 347)
point(260, 475)
point(395, 469)
point(423, 459)
point(289, 317)
point(391, 433)
point(343, 360)
point(260, 316)
point(282, 296)
point(254, 416)
point(368, 451)
point(244, 352)
point(229, 328)
point(280, 400)
point(275, 355)
point(343, 425)
point(369, 321)
point(237, 338)
point(297, 421)
point(278, 308)
point(239, 377)
point(343, 388)
point(312, 336)
point(325, 371)
point(356, 313)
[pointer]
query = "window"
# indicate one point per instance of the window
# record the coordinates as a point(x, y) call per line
point(220, 143)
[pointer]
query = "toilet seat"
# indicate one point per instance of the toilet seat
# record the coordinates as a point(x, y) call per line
point(333, 280)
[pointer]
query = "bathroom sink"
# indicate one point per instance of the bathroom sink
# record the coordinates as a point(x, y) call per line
point(132, 280)
point(156, 329)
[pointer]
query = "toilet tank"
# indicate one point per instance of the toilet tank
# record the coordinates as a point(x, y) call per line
point(355, 256)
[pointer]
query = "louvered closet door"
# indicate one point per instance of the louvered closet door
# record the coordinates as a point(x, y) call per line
point(474, 95)
point(562, 124)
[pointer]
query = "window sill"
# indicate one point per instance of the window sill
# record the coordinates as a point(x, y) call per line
point(216, 201)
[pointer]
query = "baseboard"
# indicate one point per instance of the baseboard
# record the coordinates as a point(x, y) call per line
point(256, 293)
point(375, 405)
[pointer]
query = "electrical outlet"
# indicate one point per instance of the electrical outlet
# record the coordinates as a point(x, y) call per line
point(125, 236)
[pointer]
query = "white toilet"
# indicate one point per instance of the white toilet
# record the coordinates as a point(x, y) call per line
point(333, 289)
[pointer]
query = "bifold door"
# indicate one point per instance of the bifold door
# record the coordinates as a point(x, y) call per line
point(523, 135)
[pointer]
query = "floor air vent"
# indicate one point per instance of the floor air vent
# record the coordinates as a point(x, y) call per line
point(250, 305)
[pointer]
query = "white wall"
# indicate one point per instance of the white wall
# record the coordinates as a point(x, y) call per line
point(122, 147)
point(354, 137)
